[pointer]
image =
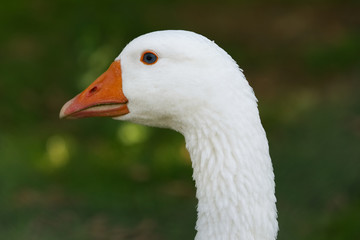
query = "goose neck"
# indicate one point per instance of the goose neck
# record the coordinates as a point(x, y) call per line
point(234, 178)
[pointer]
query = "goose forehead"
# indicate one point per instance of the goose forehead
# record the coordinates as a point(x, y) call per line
point(176, 37)
point(170, 42)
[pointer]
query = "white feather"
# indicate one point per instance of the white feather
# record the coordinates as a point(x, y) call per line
point(196, 88)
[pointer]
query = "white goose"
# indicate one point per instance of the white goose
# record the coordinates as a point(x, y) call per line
point(183, 81)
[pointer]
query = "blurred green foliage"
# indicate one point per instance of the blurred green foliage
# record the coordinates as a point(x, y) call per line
point(102, 179)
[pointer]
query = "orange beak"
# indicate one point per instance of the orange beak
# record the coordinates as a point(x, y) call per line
point(103, 98)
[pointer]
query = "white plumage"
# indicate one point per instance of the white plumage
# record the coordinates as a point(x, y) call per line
point(197, 89)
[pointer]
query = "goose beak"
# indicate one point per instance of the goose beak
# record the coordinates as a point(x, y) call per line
point(103, 98)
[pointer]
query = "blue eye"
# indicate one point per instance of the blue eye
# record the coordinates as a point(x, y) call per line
point(149, 58)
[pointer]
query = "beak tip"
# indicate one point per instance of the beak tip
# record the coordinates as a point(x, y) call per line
point(64, 112)
point(61, 115)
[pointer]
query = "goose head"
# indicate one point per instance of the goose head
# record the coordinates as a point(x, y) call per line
point(183, 81)
point(162, 79)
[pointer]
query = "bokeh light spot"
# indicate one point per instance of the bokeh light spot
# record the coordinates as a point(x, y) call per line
point(57, 151)
point(129, 133)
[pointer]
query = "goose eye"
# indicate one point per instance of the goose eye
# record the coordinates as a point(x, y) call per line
point(149, 58)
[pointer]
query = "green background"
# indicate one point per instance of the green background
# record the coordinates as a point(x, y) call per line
point(101, 179)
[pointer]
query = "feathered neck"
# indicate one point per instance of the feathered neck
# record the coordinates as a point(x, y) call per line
point(234, 177)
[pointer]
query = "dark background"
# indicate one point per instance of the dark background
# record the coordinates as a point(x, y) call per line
point(101, 179)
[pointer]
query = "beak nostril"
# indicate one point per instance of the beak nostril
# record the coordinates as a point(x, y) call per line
point(93, 90)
